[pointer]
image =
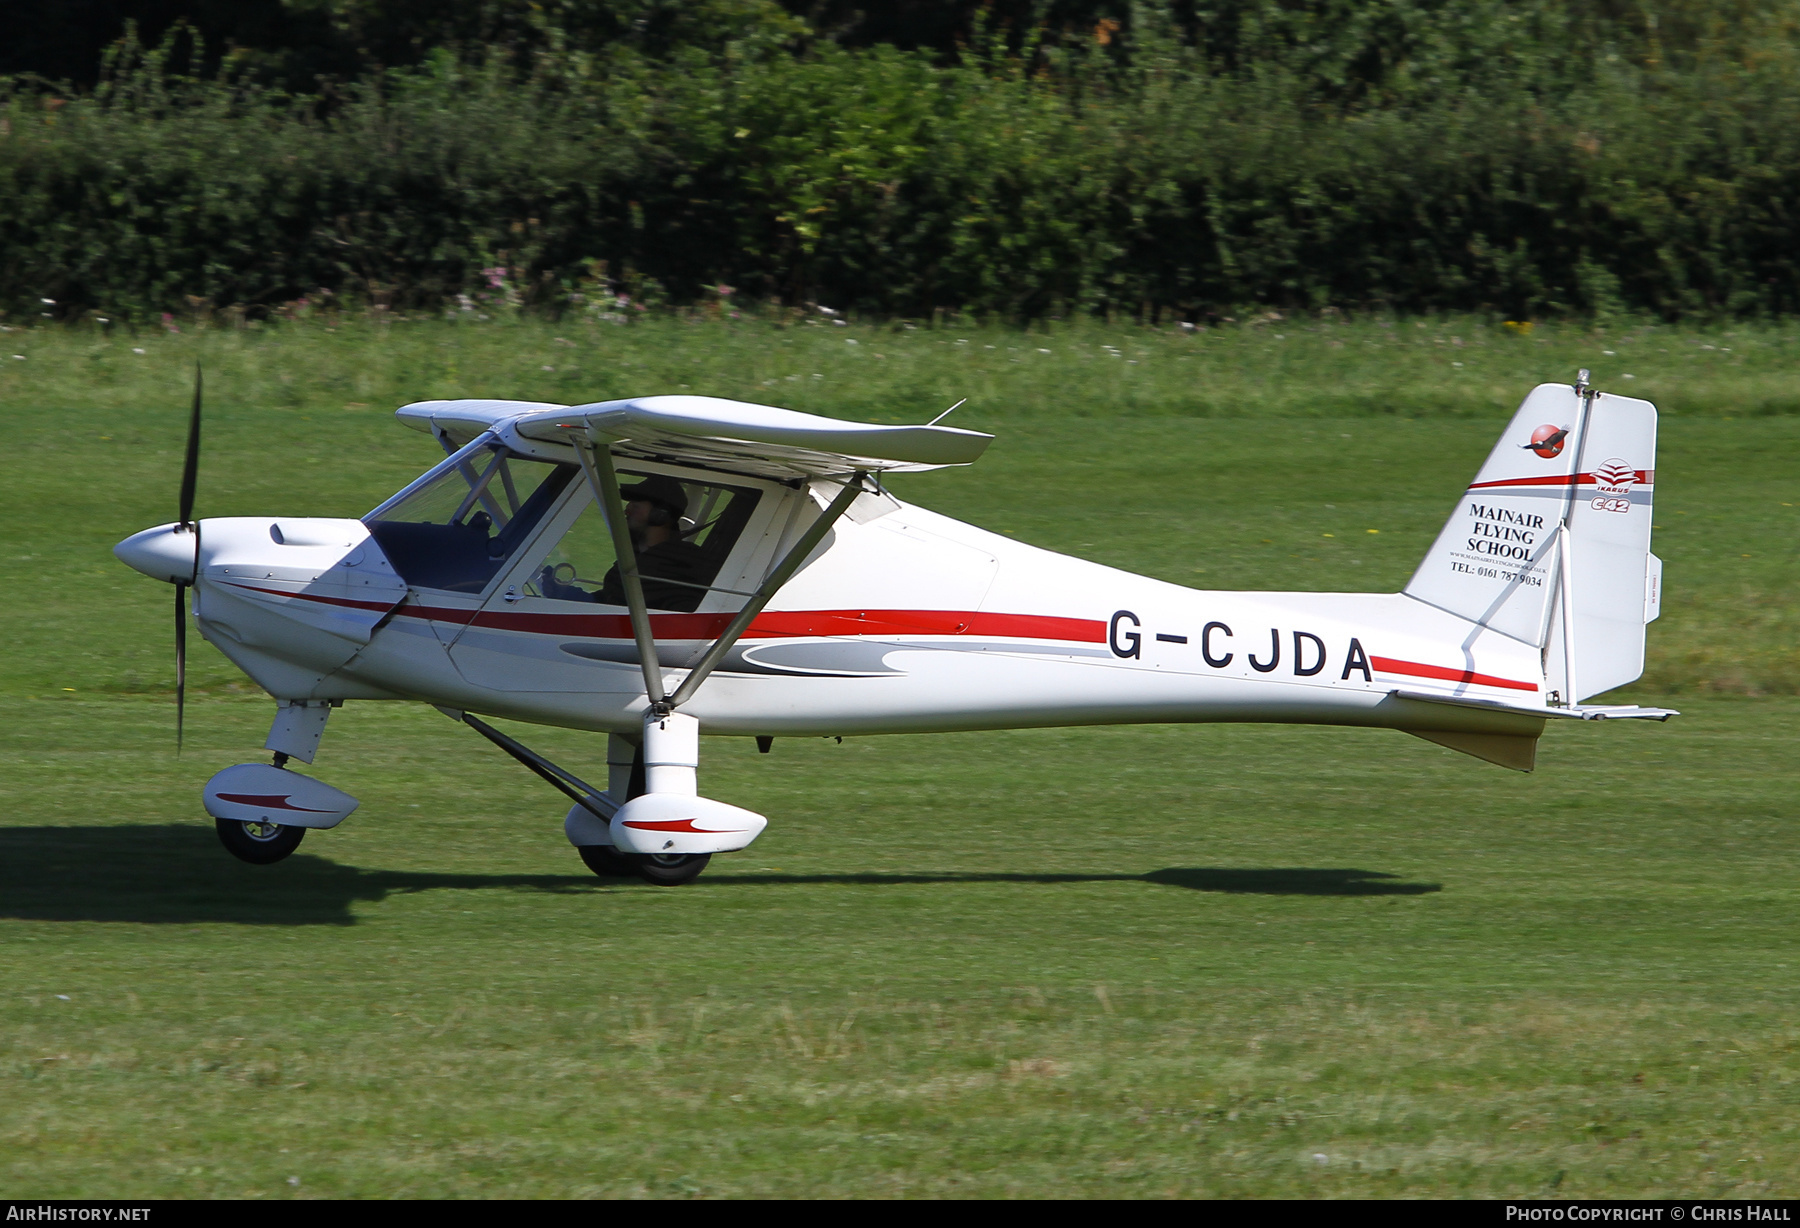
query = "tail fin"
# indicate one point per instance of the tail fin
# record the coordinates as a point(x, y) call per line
point(1551, 543)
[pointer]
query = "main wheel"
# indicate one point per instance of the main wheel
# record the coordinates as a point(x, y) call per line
point(259, 843)
point(607, 861)
point(671, 869)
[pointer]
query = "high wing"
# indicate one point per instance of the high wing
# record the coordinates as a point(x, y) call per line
point(734, 436)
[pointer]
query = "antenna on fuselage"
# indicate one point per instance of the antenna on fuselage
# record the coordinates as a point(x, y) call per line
point(948, 412)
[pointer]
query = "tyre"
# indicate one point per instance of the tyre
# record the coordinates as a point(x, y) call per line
point(671, 869)
point(607, 861)
point(260, 844)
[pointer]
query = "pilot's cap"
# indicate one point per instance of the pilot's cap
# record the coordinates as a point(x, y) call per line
point(660, 489)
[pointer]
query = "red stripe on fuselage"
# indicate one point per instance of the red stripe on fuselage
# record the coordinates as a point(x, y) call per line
point(1413, 669)
point(1640, 477)
point(770, 624)
point(779, 624)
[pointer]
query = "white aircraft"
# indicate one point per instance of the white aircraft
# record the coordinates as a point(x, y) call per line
point(659, 568)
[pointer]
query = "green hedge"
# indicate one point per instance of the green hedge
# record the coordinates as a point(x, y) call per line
point(1510, 158)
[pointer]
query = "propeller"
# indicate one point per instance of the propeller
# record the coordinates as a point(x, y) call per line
point(190, 472)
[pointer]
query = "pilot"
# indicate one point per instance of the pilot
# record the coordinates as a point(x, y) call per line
point(653, 511)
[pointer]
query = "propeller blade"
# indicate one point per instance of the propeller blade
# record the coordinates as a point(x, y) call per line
point(180, 661)
point(190, 473)
point(190, 468)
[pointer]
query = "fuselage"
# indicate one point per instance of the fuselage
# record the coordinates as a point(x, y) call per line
point(902, 620)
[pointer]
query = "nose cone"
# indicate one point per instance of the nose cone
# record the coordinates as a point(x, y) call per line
point(163, 553)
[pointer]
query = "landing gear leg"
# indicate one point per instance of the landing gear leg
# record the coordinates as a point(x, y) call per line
point(629, 775)
point(298, 726)
point(586, 822)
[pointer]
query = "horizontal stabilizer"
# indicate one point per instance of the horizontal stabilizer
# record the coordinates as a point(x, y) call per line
point(1594, 712)
point(1617, 712)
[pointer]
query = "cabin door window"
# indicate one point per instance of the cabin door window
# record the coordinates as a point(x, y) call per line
point(557, 621)
point(682, 530)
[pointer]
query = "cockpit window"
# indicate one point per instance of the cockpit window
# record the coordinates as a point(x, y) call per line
point(458, 530)
point(682, 530)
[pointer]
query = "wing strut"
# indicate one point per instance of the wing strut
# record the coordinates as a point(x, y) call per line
point(766, 591)
point(597, 463)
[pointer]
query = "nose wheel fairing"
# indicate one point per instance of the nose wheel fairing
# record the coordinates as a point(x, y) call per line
point(256, 793)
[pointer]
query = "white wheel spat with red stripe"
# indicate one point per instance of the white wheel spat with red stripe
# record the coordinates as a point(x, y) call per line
point(677, 823)
point(263, 793)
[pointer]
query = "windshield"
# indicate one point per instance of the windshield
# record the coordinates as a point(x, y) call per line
point(457, 531)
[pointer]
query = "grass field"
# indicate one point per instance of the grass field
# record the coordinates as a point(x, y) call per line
point(1158, 961)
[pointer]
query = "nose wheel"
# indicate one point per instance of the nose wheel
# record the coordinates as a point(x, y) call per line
point(258, 842)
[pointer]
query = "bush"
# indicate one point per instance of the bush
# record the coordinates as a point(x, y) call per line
point(1517, 159)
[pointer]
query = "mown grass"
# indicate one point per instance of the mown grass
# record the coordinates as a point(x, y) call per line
point(1160, 961)
point(1119, 962)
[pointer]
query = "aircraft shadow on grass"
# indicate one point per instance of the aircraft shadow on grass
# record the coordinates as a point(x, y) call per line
point(178, 874)
point(1294, 881)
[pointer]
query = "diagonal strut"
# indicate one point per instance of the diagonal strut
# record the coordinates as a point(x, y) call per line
point(600, 805)
point(597, 463)
point(603, 478)
point(766, 591)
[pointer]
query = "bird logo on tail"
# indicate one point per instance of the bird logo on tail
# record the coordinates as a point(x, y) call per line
point(1547, 441)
